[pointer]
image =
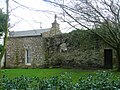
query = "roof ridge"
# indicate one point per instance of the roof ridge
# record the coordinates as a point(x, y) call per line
point(28, 32)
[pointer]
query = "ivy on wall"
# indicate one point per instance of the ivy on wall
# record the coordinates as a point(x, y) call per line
point(83, 49)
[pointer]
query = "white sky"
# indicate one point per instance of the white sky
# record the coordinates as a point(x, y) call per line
point(25, 19)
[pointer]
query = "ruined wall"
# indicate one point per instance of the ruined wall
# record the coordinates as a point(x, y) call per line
point(15, 55)
point(83, 50)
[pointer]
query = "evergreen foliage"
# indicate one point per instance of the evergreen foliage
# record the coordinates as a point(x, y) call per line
point(99, 81)
point(2, 23)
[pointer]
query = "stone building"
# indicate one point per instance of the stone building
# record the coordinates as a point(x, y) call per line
point(26, 48)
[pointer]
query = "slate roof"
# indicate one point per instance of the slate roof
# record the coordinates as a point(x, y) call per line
point(27, 33)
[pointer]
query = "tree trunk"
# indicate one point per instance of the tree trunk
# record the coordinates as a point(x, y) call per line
point(118, 58)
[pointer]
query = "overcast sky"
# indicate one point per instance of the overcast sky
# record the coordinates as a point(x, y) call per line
point(37, 16)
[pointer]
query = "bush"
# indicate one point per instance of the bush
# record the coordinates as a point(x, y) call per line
point(99, 81)
point(76, 59)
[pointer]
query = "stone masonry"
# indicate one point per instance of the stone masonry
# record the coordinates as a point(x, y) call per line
point(26, 48)
point(16, 51)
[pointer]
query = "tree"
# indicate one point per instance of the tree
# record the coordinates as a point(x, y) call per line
point(94, 15)
point(4, 29)
point(2, 22)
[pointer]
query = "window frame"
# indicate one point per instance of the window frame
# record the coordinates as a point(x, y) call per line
point(27, 56)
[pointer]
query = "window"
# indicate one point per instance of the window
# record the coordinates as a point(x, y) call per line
point(27, 57)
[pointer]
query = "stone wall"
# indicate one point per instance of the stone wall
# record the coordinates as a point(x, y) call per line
point(15, 55)
point(82, 50)
point(18, 45)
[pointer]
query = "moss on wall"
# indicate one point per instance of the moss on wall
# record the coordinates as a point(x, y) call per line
point(84, 49)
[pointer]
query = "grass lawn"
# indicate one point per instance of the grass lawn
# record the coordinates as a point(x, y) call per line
point(75, 73)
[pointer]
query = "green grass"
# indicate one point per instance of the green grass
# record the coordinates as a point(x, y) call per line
point(75, 73)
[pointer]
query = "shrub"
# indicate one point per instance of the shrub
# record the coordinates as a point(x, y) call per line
point(99, 81)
